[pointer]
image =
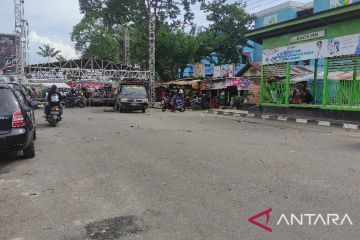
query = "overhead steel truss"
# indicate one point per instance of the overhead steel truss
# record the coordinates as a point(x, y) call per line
point(84, 70)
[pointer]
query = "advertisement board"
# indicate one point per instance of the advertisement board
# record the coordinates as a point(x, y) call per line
point(339, 46)
point(270, 20)
point(339, 3)
point(199, 70)
point(227, 70)
point(7, 54)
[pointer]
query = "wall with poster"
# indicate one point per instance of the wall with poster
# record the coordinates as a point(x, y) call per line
point(270, 20)
point(199, 70)
point(339, 3)
point(227, 70)
point(339, 46)
point(7, 54)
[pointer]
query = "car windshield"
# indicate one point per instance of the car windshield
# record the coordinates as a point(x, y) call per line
point(133, 90)
point(7, 99)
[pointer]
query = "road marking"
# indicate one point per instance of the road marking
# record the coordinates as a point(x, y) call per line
point(299, 120)
point(324, 123)
point(351, 126)
point(281, 118)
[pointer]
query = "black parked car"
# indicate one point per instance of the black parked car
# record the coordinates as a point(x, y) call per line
point(131, 97)
point(17, 121)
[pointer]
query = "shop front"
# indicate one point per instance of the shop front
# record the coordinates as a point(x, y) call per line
point(312, 62)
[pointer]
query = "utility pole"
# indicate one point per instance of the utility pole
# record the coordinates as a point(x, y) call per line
point(152, 58)
point(21, 36)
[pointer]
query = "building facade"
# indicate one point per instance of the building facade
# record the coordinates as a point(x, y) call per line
point(289, 11)
point(323, 41)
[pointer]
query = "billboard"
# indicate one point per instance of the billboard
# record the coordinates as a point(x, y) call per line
point(227, 70)
point(7, 54)
point(339, 46)
point(339, 3)
point(270, 20)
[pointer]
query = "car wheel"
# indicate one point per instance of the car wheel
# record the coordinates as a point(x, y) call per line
point(116, 106)
point(143, 110)
point(29, 152)
point(81, 105)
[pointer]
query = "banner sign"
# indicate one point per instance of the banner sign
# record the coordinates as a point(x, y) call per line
point(231, 70)
point(7, 54)
point(227, 70)
point(339, 3)
point(339, 46)
point(244, 84)
point(199, 70)
point(217, 71)
point(218, 85)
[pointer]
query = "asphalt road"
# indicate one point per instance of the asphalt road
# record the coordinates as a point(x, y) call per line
point(172, 176)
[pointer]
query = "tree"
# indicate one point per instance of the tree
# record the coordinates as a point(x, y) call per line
point(48, 52)
point(101, 32)
point(103, 46)
point(60, 58)
point(225, 35)
point(105, 18)
point(123, 11)
point(175, 49)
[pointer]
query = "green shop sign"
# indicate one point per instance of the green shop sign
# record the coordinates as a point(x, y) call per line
point(308, 36)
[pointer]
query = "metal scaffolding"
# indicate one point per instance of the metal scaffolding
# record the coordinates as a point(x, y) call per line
point(84, 70)
point(21, 33)
point(152, 57)
point(127, 45)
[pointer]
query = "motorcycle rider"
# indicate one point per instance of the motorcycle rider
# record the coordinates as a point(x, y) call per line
point(54, 98)
point(174, 100)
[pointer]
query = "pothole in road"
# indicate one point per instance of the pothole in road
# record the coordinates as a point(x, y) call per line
point(114, 228)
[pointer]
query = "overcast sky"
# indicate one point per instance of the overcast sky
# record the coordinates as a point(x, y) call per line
point(51, 22)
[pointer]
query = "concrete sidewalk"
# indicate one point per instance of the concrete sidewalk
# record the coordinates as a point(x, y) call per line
point(320, 122)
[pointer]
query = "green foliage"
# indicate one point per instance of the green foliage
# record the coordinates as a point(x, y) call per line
point(101, 32)
point(61, 58)
point(225, 35)
point(46, 51)
point(174, 50)
point(238, 100)
point(103, 46)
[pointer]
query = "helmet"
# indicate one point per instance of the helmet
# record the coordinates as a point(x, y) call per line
point(53, 88)
point(181, 91)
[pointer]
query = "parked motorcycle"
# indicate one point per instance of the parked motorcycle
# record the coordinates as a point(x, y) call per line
point(75, 101)
point(54, 116)
point(199, 103)
point(167, 105)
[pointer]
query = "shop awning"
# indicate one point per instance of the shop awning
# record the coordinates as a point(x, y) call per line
point(218, 85)
point(48, 85)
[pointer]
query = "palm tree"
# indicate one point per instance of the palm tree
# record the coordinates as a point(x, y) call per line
point(60, 58)
point(48, 52)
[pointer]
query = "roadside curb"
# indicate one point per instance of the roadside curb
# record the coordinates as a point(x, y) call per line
point(283, 118)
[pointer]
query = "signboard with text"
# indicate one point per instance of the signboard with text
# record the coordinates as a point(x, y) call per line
point(308, 36)
point(7, 54)
point(339, 46)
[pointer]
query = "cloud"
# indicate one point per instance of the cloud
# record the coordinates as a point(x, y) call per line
point(67, 50)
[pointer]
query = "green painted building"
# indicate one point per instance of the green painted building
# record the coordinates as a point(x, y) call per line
point(326, 45)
